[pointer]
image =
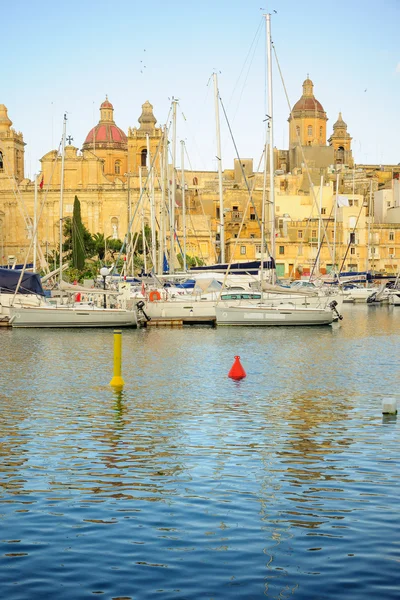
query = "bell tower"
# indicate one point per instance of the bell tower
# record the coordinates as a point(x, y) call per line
point(340, 140)
point(11, 149)
point(137, 139)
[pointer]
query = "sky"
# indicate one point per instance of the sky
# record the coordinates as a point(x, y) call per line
point(66, 57)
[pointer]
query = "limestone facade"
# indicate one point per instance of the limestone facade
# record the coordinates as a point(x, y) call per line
point(108, 172)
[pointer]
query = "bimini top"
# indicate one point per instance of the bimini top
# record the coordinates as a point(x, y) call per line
point(30, 283)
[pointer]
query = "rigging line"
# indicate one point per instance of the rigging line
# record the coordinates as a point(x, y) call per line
point(194, 139)
point(125, 240)
point(352, 233)
point(212, 245)
point(34, 233)
point(245, 80)
point(302, 154)
point(257, 34)
point(241, 166)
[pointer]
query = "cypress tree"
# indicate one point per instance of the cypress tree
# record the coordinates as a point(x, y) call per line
point(78, 250)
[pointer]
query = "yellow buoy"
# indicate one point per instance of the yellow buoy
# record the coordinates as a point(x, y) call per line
point(117, 381)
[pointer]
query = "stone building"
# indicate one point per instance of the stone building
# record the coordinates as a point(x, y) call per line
point(112, 171)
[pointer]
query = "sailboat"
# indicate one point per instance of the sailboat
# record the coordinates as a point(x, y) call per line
point(44, 313)
point(266, 312)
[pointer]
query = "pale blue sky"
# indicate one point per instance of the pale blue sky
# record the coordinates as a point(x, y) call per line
point(66, 57)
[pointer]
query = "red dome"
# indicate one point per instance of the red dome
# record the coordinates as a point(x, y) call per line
point(106, 135)
point(106, 104)
point(308, 103)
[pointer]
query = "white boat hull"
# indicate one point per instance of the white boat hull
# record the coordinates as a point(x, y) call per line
point(63, 316)
point(189, 309)
point(259, 316)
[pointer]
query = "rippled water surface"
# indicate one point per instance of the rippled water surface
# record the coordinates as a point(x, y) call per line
point(190, 485)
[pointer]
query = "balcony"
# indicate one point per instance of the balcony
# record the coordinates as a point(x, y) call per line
point(236, 216)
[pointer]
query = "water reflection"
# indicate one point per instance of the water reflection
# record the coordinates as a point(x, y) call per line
point(187, 484)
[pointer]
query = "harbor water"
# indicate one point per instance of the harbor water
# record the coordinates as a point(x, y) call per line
point(189, 485)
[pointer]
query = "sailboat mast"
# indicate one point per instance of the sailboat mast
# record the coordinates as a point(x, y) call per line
point(62, 192)
point(321, 190)
point(271, 144)
point(143, 227)
point(164, 163)
point(173, 194)
point(35, 225)
point(219, 159)
point(183, 203)
point(369, 226)
point(334, 222)
point(150, 171)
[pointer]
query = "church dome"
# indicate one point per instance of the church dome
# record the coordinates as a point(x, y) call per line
point(106, 134)
point(308, 101)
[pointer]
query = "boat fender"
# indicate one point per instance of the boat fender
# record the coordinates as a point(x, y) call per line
point(154, 295)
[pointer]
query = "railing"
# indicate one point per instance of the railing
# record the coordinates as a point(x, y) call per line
point(236, 215)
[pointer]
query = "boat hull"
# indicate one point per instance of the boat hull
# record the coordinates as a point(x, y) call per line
point(41, 316)
point(270, 316)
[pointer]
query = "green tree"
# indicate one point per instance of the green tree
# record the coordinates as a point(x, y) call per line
point(191, 261)
point(85, 239)
point(78, 248)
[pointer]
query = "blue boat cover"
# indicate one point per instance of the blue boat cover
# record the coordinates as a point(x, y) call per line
point(30, 283)
point(239, 267)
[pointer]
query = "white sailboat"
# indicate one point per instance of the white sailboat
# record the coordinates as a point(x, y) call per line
point(268, 311)
point(42, 313)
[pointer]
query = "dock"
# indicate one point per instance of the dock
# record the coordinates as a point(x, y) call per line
point(181, 322)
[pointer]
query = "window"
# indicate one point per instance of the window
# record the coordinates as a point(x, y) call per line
point(299, 234)
point(320, 132)
point(314, 233)
point(252, 236)
point(117, 168)
point(235, 208)
point(352, 237)
point(352, 250)
point(391, 236)
point(309, 130)
point(195, 181)
point(298, 131)
point(218, 212)
point(143, 157)
point(391, 251)
point(252, 214)
point(323, 211)
point(350, 202)
point(355, 202)
point(1, 162)
point(281, 249)
point(242, 249)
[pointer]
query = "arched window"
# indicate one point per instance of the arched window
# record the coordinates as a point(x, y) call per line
point(320, 132)
point(1, 162)
point(117, 167)
point(143, 158)
point(195, 181)
point(298, 131)
point(309, 130)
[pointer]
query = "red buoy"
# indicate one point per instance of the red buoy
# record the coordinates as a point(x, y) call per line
point(237, 372)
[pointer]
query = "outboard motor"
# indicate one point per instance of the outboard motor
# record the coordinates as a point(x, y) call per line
point(372, 298)
point(332, 306)
point(139, 306)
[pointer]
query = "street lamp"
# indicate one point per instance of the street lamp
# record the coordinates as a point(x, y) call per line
point(104, 272)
